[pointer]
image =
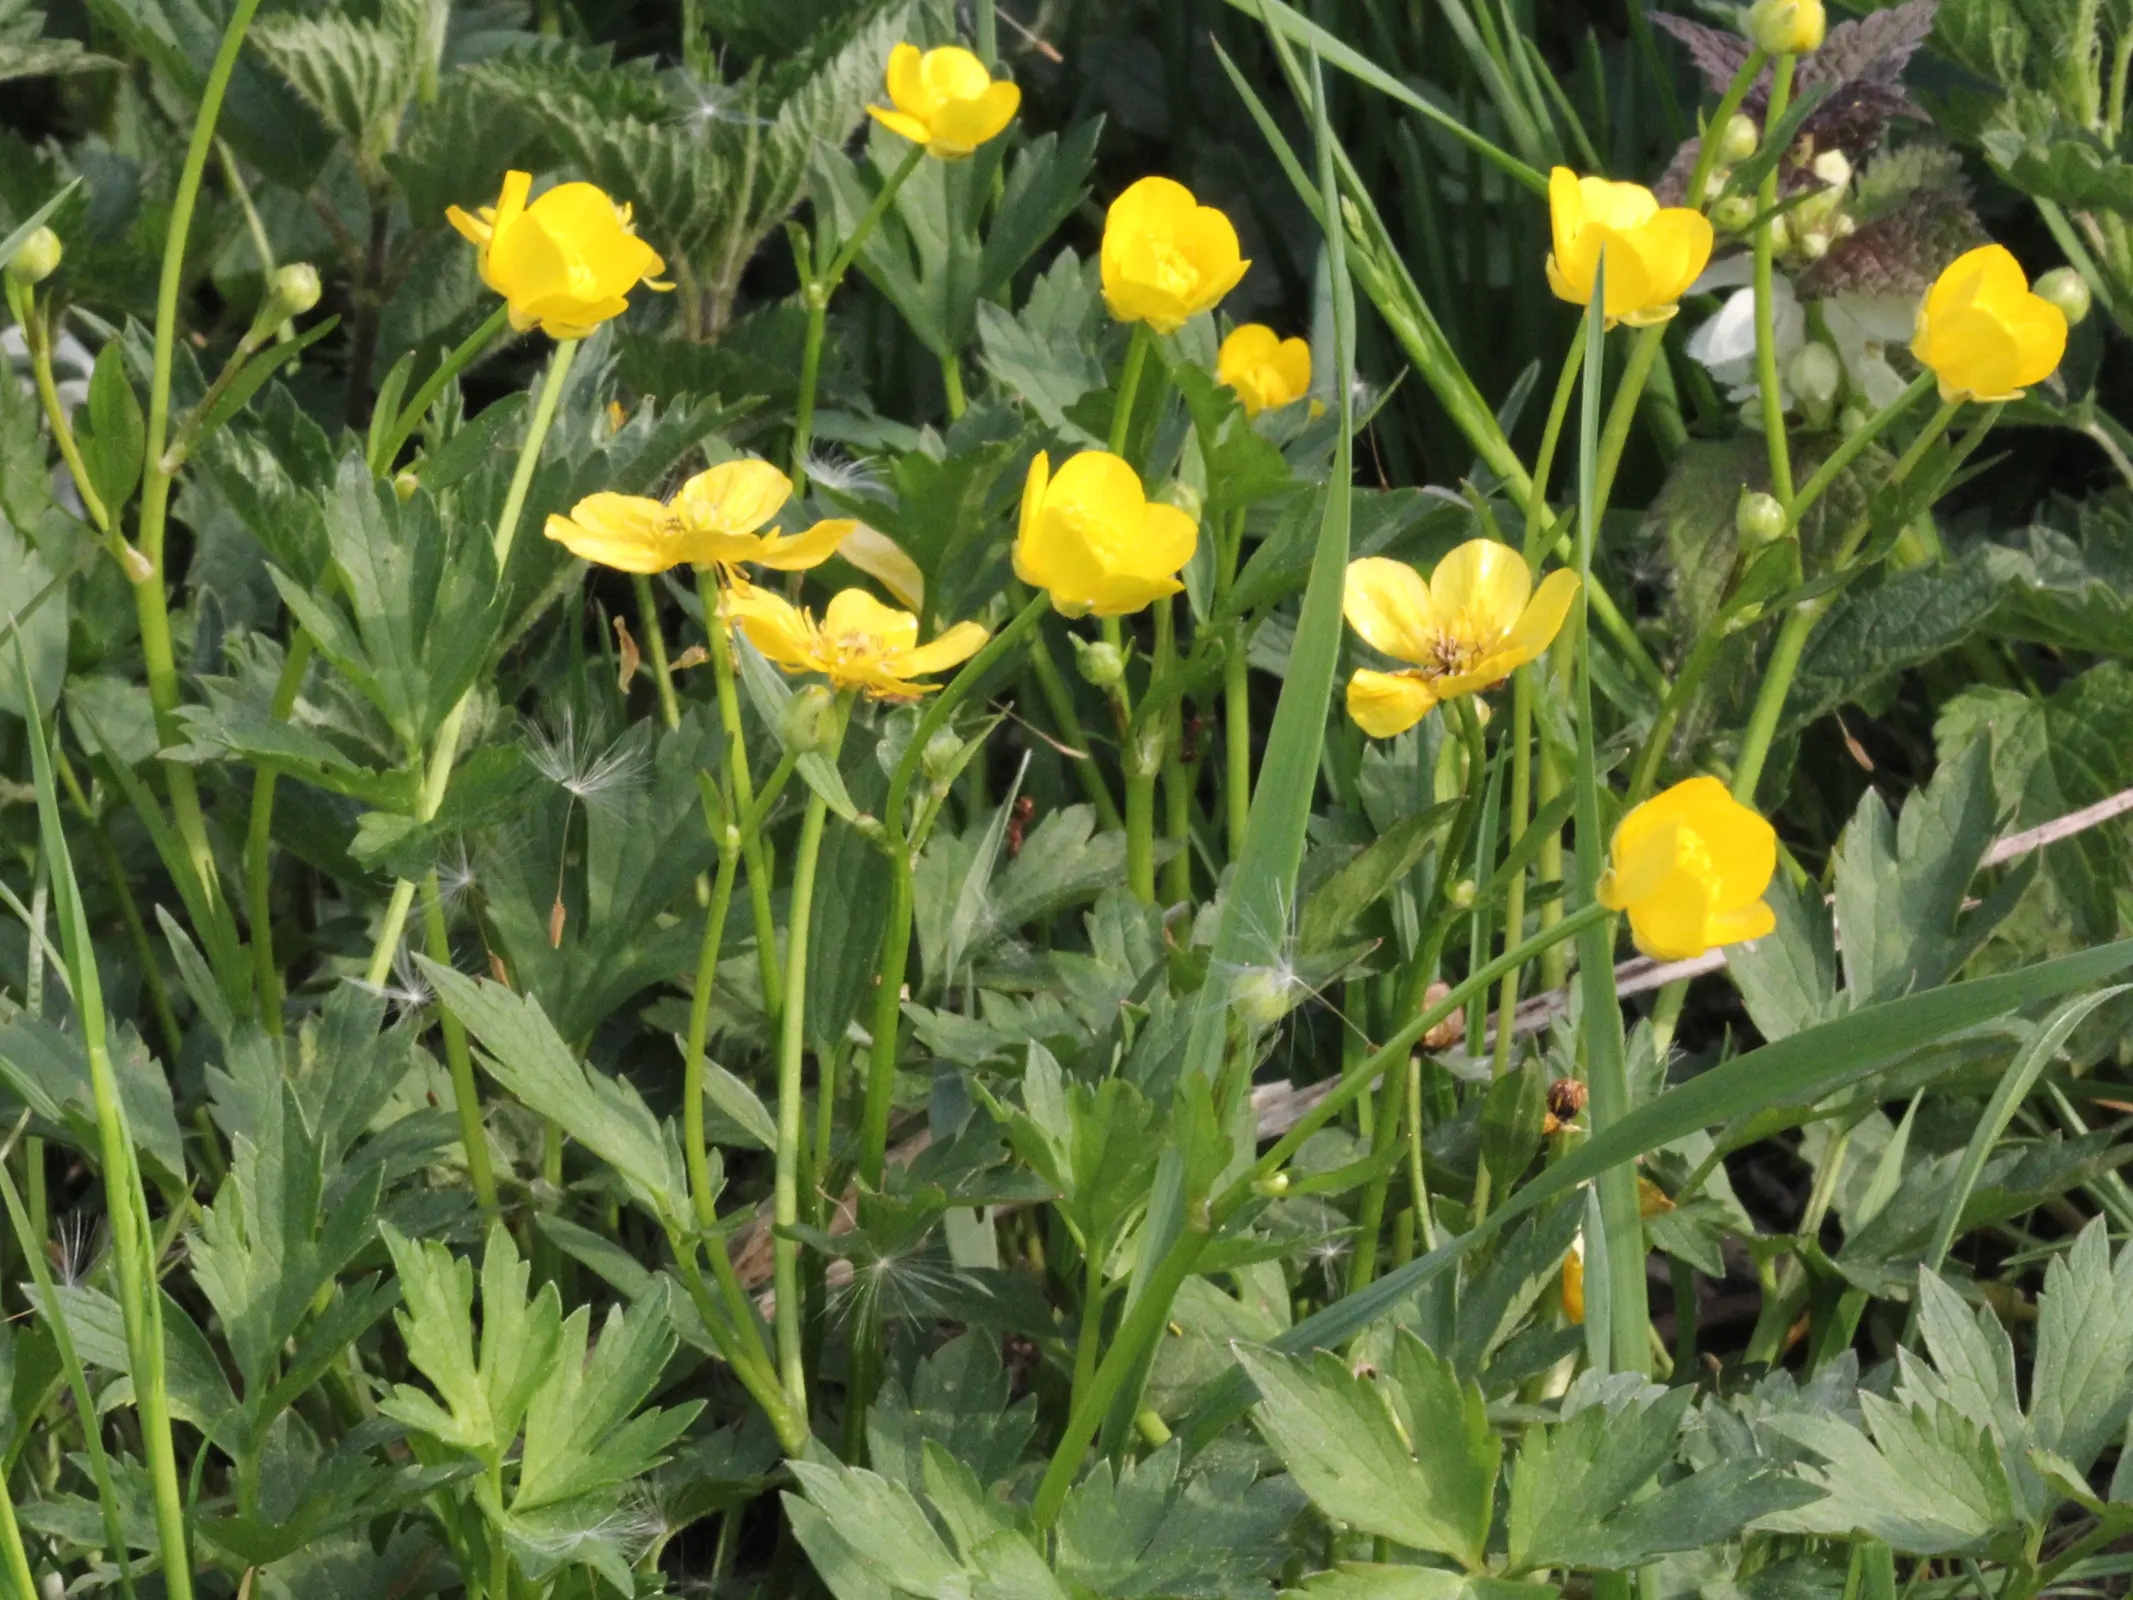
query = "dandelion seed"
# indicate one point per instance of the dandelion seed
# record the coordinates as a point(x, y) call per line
point(455, 875)
point(72, 1248)
point(574, 761)
point(407, 991)
point(718, 103)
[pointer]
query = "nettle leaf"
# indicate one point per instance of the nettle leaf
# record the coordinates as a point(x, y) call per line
point(26, 53)
point(1408, 1456)
point(358, 75)
point(522, 1051)
point(1145, 1531)
point(485, 1398)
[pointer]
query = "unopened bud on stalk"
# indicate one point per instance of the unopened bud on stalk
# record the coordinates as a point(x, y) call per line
point(1464, 894)
point(1787, 27)
point(811, 720)
point(1273, 1186)
point(1737, 139)
point(1833, 167)
point(405, 483)
point(38, 258)
point(940, 753)
point(1758, 518)
point(293, 290)
point(2068, 290)
point(1814, 244)
point(1733, 213)
point(1815, 376)
point(1100, 663)
point(1853, 418)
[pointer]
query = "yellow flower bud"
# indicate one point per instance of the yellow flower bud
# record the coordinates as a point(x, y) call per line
point(1690, 866)
point(1653, 253)
point(1092, 539)
point(1470, 624)
point(566, 262)
point(37, 259)
point(946, 100)
point(1165, 256)
point(1267, 371)
point(1983, 333)
point(1787, 27)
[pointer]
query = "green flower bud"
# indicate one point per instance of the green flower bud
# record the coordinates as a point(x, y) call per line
point(1814, 244)
point(1184, 496)
point(1100, 663)
point(1815, 376)
point(38, 258)
point(940, 753)
point(296, 288)
point(405, 483)
point(1758, 518)
point(1262, 996)
point(1833, 167)
point(1853, 418)
point(811, 720)
point(1781, 233)
point(1272, 1187)
point(1464, 894)
point(2068, 290)
point(1733, 213)
point(1737, 139)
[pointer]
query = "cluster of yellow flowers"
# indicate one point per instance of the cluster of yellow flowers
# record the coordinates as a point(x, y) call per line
point(1689, 867)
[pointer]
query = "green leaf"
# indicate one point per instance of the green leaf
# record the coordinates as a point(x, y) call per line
point(2082, 1386)
point(1148, 1531)
point(1926, 1479)
point(883, 1526)
point(26, 53)
point(42, 633)
point(114, 440)
point(522, 1051)
point(958, 1401)
point(251, 378)
point(1371, 874)
point(358, 75)
point(38, 218)
point(48, 1069)
point(1356, 1580)
point(584, 1432)
point(1413, 1460)
point(1046, 352)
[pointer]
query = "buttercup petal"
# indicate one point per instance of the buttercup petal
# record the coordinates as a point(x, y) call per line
point(902, 124)
point(1387, 603)
point(855, 614)
point(1386, 704)
point(801, 551)
point(1482, 581)
point(1543, 616)
point(951, 649)
point(907, 86)
point(626, 532)
point(736, 496)
point(883, 559)
point(1737, 927)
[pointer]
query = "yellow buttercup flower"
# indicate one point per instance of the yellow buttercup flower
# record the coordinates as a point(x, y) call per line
point(945, 99)
point(1093, 540)
point(713, 521)
point(1476, 619)
point(1787, 27)
point(1265, 369)
point(859, 644)
point(1653, 253)
point(567, 261)
point(1166, 257)
point(1983, 333)
point(1690, 867)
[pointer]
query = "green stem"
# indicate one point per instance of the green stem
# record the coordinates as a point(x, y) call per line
point(1766, 362)
point(1848, 450)
point(1715, 130)
point(1140, 828)
point(411, 414)
point(446, 749)
point(896, 934)
point(1514, 907)
point(655, 649)
point(816, 293)
point(150, 602)
point(1236, 693)
point(1144, 1322)
point(792, 1044)
point(1089, 1338)
point(1394, 1052)
point(36, 338)
point(1129, 382)
point(1537, 519)
point(466, 1091)
point(259, 838)
point(692, 1061)
point(722, 646)
point(952, 382)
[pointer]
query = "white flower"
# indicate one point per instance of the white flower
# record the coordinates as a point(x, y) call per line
point(1862, 327)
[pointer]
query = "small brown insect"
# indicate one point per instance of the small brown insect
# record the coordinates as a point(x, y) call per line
point(1017, 822)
